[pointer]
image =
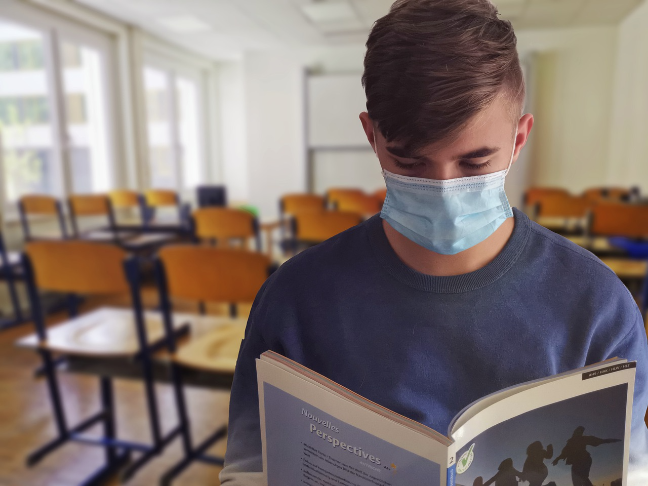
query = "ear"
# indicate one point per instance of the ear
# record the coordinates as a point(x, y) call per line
point(524, 130)
point(368, 126)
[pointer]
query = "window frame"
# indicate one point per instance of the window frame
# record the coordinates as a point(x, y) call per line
point(175, 69)
point(50, 25)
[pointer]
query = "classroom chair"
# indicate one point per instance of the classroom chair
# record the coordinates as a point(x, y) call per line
point(534, 195)
point(81, 267)
point(156, 199)
point(612, 194)
point(311, 228)
point(561, 206)
point(98, 206)
point(10, 271)
point(43, 207)
point(358, 203)
point(212, 195)
point(205, 274)
point(619, 219)
point(131, 203)
point(337, 195)
point(291, 204)
point(222, 225)
point(380, 195)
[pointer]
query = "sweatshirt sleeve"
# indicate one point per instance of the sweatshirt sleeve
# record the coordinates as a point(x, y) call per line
point(634, 347)
point(243, 460)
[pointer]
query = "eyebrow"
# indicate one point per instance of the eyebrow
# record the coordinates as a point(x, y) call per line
point(478, 154)
point(474, 154)
point(401, 152)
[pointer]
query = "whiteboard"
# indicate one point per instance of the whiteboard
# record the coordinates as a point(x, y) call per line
point(359, 169)
point(334, 103)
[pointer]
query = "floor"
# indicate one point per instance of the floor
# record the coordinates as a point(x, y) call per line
point(26, 422)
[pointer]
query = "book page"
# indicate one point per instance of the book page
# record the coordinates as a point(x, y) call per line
point(314, 437)
point(578, 426)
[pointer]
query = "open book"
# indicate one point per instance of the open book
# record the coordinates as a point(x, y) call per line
point(564, 430)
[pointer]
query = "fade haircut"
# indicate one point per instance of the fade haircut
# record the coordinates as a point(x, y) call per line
point(432, 65)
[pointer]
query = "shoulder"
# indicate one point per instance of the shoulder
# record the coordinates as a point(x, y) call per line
point(572, 272)
point(327, 260)
point(570, 256)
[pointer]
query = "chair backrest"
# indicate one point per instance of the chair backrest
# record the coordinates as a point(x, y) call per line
point(320, 226)
point(209, 196)
point(122, 199)
point(40, 205)
point(210, 274)
point(380, 195)
point(89, 205)
point(535, 195)
point(334, 196)
point(297, 203)
point(156, 198)
point(77, 267)
point(618, 219)
point(561, 206)
point(608, 193)
point(224, 223)
point(358, 203)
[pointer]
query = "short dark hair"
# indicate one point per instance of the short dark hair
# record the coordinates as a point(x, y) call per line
point(431, 65)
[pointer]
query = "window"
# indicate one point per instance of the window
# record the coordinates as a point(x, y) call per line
point(85, 100)
point(173, 115)
point(25, 126)
point(55, 116)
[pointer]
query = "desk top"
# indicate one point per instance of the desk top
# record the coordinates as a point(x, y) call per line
point(595, 244)
point(626, 268)
point(111, 332)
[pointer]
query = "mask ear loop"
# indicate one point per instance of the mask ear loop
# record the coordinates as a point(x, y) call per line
point(512, 153)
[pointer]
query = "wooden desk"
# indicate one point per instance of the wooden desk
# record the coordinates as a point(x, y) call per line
point(268, 227)
point(627, 269)
point(561, 225)
point(599, 245)
point(92, 347)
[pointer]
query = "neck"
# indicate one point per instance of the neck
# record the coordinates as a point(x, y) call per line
point(430, 263)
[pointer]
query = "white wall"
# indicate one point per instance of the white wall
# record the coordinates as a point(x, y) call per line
point(275, 118)
point(574, 77)
point(629, 128)
point(233, 137)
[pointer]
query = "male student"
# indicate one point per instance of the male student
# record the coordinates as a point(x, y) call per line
point(448, 295)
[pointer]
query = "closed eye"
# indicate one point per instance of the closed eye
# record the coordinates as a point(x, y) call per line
point(405, 166)
point(475, 166)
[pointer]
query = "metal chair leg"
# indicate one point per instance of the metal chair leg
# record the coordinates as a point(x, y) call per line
point(195, 455)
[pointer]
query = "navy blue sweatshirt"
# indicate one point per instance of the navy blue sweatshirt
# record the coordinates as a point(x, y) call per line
point(425, 346)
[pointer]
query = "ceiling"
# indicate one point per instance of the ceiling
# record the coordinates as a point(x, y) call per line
point(226, 28)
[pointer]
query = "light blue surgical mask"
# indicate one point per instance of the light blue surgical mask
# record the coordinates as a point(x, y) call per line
point(447, 216)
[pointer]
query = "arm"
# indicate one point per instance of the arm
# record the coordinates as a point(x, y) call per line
point(243, 459)
point(549, 452)
point(561, 457)
point(492, 480)
point(595, 441)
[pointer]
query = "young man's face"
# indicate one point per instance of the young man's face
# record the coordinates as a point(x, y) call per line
point(483, 147)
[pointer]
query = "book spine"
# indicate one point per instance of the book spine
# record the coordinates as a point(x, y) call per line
point(452, 475)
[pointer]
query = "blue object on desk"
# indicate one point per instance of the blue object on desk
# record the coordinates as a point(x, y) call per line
point(634, 248)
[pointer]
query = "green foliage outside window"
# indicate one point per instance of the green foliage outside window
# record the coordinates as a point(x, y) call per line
point(24, 55)
point(23, 168)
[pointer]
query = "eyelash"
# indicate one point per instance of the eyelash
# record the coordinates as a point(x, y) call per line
point(465, 164)
point(476, 166)
point(407, 166)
